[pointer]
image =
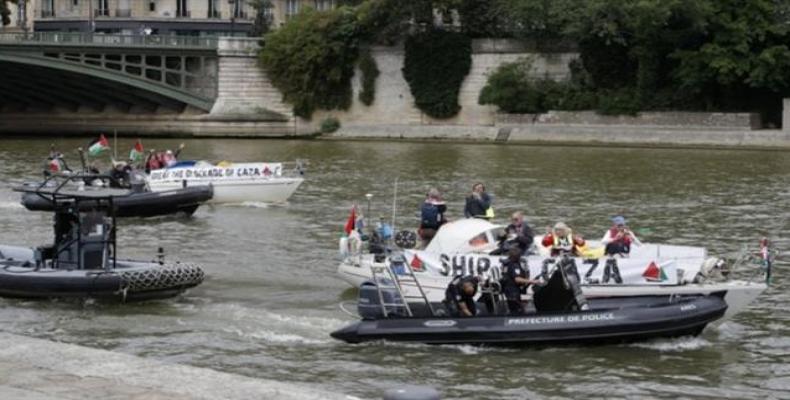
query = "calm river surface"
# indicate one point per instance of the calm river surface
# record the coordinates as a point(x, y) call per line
point(271, 296)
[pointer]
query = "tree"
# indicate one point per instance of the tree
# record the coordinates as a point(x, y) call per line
point(311, 59)
point(537, 19)
point(745, 47)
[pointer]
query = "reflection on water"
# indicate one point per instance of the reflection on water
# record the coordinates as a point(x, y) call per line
point(271, 296)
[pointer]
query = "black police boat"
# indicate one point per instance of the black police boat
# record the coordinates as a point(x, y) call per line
point(82, 262)
point(130, 200)
point(553, 318)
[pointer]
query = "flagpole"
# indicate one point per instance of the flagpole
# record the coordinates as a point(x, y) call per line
point(394, 204)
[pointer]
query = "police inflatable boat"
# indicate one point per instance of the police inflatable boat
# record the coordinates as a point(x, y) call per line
point(557, 319)
point(82, 261)
point(136, 201)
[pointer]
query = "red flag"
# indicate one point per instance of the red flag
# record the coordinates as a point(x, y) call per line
point(352, 219)
point(416, 263)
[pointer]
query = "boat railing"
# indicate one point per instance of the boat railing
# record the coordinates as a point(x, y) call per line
point(296, 168)
point(55, 188)
point(398, 280)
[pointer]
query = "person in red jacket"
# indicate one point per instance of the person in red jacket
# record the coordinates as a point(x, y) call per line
point(618, 239)
point(562, 241)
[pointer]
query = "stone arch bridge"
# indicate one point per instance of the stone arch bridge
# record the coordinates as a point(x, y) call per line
point(193, 82)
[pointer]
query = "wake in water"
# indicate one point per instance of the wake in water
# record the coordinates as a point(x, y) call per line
point(681, 344)
point(276, 328)
point(10, 205)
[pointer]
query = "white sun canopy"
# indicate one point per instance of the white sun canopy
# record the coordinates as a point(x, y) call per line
point(462, 236)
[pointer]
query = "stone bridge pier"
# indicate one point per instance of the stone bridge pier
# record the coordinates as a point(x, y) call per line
point(77, 83)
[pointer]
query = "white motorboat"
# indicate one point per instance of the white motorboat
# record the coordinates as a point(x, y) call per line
point(232, 182)
point(462, 248)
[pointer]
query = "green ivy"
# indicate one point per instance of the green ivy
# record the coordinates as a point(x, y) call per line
point(330, 125)
point(370, 72)
point(311, 59)
point(435, 66)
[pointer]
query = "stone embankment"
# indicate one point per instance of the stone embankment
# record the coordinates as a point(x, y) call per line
point(668, 129)
point(35, 369)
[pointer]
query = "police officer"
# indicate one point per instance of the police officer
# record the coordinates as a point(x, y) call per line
point(515, 279)
point(460, 296)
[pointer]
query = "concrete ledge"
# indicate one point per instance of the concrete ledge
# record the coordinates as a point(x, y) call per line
point(664, 120)
point(630, 135)
point(435, 132)
point(39, 369)
point(603, 135)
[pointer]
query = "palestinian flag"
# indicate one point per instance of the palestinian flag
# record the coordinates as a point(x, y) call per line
point(136, 155)
point(98, 146)
point(654, 273)
point(416, 263)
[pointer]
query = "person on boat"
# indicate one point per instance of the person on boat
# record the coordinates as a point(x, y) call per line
point(152, 161)
point(561, 241)
point(55, 163)
point(120, 174)
point(460, 296)
point(518, 234)
point(514, 281)
point(431, 215)
point(619, 239)
point(478, 203)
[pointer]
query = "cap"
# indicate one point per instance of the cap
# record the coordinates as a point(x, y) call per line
point(619, 220)
point(560, 226)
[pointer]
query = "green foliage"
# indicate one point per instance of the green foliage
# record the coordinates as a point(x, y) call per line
point(537, 19)
point(513, 90)
point(370, 72)
point(311, 59)
point(330, 125)
point(482, 18)
point(618, 102)
point(435, 66)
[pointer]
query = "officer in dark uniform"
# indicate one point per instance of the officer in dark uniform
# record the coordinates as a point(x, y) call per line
point(515, 278)
point(460, 296)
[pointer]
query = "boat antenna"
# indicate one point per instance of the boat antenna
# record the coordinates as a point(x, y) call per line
point(394, 204)
point(368, 196)
point(82, 159)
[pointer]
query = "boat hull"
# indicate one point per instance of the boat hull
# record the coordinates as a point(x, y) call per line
point(275, 190)
point(145, 204)
point(128, 281)
point(737, 294)
point(672, 319)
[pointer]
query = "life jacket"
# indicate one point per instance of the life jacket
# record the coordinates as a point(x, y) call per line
point(613, 233)
point(564, 244)
point(54, 165)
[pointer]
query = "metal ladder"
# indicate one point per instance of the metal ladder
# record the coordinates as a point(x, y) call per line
point(416, 281)
point(380, 272)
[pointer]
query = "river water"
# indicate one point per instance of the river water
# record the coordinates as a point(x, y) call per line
point(270, 299)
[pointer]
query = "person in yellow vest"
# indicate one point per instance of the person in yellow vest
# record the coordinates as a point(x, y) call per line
point(478, 203)
point(562, 241)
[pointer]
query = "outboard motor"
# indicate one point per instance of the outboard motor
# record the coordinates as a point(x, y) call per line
point(137, 182)
point(562, 290)
point(369, 304)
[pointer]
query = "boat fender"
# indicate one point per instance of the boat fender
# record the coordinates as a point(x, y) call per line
point(344, 249)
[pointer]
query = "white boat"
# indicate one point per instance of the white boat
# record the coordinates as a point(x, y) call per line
point(462, 248)
point(232, 182)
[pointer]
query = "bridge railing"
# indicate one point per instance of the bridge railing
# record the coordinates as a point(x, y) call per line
point(103, 40)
